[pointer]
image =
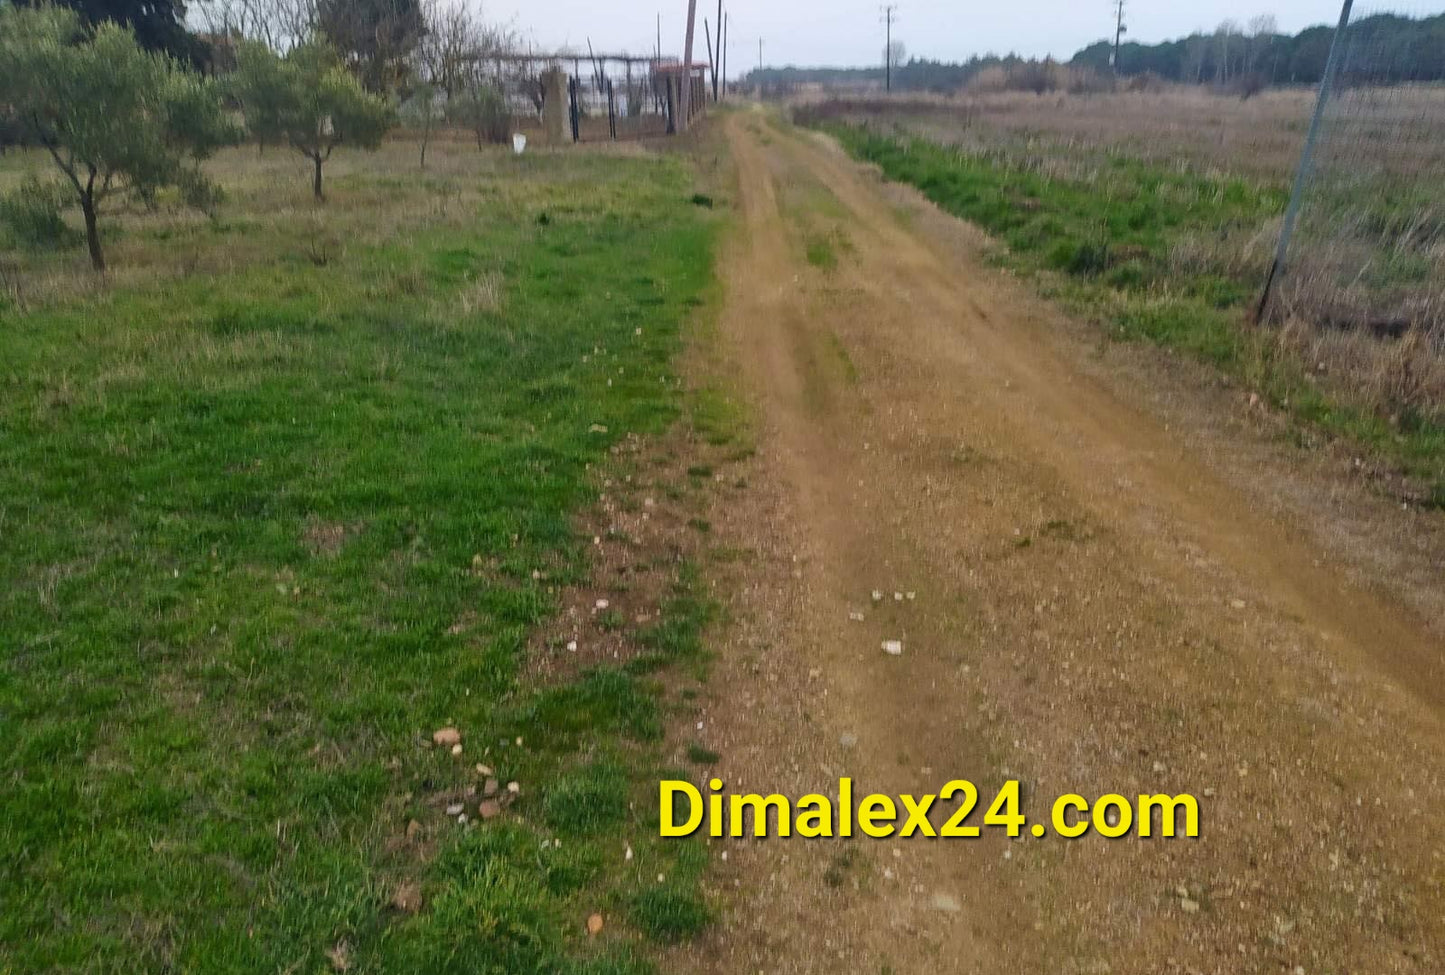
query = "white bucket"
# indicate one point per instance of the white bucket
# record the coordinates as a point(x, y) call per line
point(519, 143)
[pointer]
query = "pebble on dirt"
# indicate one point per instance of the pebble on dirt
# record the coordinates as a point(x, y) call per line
point(594, 924)
point(894, 648)
point(447, 736)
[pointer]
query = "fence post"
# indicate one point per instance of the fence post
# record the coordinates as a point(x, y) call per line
point(572, 97)
point(1306, 163)
point(611, 111)
point(671, 111)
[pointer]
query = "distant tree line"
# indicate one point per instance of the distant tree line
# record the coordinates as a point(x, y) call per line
point(1384, 49)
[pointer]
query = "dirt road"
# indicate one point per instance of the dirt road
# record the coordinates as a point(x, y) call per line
point(1095, 599)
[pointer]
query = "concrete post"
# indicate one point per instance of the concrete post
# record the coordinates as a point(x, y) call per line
point(554, 106)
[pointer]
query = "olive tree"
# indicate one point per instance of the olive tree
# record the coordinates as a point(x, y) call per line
point(309, 101)
point(114, 117)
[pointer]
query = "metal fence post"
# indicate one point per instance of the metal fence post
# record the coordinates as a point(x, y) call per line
point(1306, 164)
point(575, 109)
point(611, 111)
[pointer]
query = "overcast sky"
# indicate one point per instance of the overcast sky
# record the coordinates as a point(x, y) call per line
point(850, 32)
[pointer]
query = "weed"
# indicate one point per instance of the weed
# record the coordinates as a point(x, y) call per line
point(587, 799)
point(670, 914)
point(699, 755)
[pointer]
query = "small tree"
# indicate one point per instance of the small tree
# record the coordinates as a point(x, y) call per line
point(113, 117)
point(308, 101)
point(420, 110)
point(482, 109)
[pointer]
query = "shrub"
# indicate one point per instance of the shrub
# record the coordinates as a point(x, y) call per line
point(1084, 258)
point(483, 110)
point(31, 215)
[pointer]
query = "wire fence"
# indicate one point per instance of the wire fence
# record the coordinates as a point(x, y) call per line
point(1369, 249)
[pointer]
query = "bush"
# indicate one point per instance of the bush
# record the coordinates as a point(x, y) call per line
point(31, 215)
point(483, 110)
point(1082, 258)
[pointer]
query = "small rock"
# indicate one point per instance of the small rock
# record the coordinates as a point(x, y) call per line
point(602, 604)
point(490, 787)
point(483, 769)
point(848, 739)
point(407, 898)
point(457, 748)
point(877, 596)
point(1188, 906)
point(594, 924)
point(911, 596)
point(1238, 603)
point(1181, 891)
point(856, 617)
point(447, 737)
point(572, 646)
point(898, 597)
point(489, 809)
point(455, 809)
point(596, 428)
point(513, 788)
point(946, 902)
point(628, 854)
point(894, 648)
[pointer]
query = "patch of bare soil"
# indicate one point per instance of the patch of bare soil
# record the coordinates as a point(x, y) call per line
point(1112, 581)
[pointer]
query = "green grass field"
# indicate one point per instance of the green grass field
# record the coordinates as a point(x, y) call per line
point(1128, 243)
point(271, 507)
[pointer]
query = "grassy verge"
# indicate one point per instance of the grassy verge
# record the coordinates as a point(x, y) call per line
point(264, 529)
point(1118, 247)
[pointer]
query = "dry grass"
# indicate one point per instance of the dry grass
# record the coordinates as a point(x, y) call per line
point(1367, 269)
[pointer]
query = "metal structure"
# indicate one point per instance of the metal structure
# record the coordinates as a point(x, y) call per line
point(609, 96)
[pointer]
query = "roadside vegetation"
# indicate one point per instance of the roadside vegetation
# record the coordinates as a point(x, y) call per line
point(1172, 255)
point(289, 491)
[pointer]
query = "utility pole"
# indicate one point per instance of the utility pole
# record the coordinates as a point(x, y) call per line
point(727, 17)
point(685, 115)
point(717, 59)
point(713, 57)
point(659, 35)
point(1119, 30)
point(1307, 160)
point(888, 11)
